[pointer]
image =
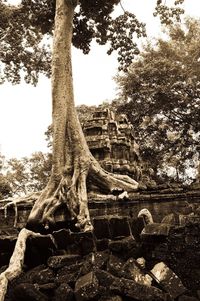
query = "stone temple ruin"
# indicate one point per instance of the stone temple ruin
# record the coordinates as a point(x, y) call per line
point(128, 256)
point(110, 138)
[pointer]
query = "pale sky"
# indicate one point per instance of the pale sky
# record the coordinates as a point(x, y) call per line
point(25, 111)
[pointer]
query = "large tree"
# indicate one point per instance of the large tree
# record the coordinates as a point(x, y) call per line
point(78, 22)
point(21, 32)
point(161, 92)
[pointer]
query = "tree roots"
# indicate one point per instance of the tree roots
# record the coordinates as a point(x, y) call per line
point(72, 192)
point(16, 262)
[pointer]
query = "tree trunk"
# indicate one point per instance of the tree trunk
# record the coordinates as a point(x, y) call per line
point(72, 160)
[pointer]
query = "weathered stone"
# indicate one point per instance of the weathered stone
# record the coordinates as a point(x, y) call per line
point(161, 251)
point(27, 291)
point(101, 227)
point(85, 241)
point(115, 265)
point(187, 298)
point(105, 278)
point(94, 261)
point(40, 275)
point(5, 258)
point(47, 288)
point(156, 229)
point(132, 271)
point(7, 243)
point(168, 279)
point(137, 225)
point(63, 238)
point(102, 244)
point(110, 140)
point(69, 274)
point(123, 245)
point(110, 298)
point(38, 250)
point(57, 262)
point(119, 227)
point(63, 293)
point(86, 287)
point(131, 289)
point(171, 219)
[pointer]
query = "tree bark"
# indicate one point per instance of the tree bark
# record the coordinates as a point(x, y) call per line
point(17, 261)
point(72, 160)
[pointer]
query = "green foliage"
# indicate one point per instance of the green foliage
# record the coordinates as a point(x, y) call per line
point(27, 174)
point(24, 30)
point(161, 96)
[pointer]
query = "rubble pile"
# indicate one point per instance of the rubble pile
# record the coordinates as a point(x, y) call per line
point(123, 259)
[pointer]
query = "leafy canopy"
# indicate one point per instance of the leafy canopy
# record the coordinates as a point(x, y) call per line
point(161, 95)
point(25, 29)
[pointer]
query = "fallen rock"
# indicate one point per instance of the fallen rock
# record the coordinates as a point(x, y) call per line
point(119, 227)
point(94, 261)
point(132, 271)
point(27, 291)
point(84, 241)
point(115, 265)
point(105, 278)
point(137, 225)
point(101, 227)
point(59, 261)
point(63, 238)
point(40, 275)
point(168, 280)
point(129, 288)
point(187, 298)
point(110, 298)
point(156, 230)
point(63, 293)
point(86, 287)
point(69, 274)
point(123, 245)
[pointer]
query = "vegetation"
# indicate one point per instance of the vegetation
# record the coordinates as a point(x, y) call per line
point(22, 30)
point(160, 94)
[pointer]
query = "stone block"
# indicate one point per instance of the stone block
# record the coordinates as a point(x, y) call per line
point(69, 274)
point(132, 271)
point(131, 289)
point(63, 293)
point(59, 261)
point(7, 243)
point(63, 238)
point(95, 261)
point(119, 227)
point(115, 265)
point(40, 274)
point(86, 287)
point(111, 298)
point(101, 227)
point(84, 241)
point(187, 298)
point(168, 280)
point(137, 225)
point(38, 250)
point(27, 291)
point(102, 244)
point(156, 229)
point(105, 278)
point(123, 245)
point(155, 233)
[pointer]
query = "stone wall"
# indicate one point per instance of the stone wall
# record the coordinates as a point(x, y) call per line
point(104, 265)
